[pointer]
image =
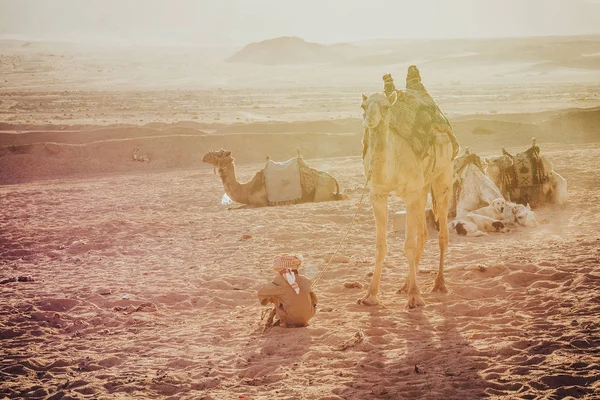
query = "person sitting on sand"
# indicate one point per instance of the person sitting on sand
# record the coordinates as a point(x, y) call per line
point(291, 293)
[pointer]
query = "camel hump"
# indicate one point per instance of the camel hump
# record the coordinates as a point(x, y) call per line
point(413, 73)
point(413, 79)
point(388, 84)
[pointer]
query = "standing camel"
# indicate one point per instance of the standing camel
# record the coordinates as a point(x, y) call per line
point(408, 150)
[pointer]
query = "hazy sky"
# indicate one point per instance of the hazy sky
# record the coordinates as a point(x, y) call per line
point(242, 21)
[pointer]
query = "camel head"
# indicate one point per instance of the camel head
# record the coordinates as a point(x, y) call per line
point(496, 165)
point(377, 108)
point(219, 159)
point(499, 162)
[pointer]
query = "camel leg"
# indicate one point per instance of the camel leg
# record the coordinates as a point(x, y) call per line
point(423, 234)
point(380, 210)
point(442, 194)
point(415, 216)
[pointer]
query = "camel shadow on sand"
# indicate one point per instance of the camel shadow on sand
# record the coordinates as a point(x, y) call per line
point(426, 357)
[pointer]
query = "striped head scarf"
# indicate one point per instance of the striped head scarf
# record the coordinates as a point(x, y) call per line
point(285, 264)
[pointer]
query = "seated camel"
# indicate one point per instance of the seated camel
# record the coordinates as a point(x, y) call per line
point(473, 190)
point(527, 177)
point(315, 185)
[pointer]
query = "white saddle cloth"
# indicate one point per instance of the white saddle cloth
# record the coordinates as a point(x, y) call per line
point(283, 181)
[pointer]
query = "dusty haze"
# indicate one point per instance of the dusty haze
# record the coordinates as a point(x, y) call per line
point(238, 22)
point(143, 285)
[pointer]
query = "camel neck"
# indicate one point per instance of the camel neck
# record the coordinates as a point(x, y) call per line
point(390, 154)
point(225, 170)
point(378, 139)
point(231, 185)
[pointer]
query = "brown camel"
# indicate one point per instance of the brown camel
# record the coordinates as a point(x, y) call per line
point(316, 185)
point(408, 151)
point(527, 177)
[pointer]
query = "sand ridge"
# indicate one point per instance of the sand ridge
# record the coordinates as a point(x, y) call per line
point(61, 150)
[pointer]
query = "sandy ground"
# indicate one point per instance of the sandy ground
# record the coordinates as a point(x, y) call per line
point(144, 284)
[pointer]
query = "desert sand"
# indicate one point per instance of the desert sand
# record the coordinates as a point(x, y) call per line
point(144, 284)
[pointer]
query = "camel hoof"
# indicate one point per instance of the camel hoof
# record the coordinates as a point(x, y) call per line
point(415, 300)
point(403, 289)
point(368, 300)
point(439, 286)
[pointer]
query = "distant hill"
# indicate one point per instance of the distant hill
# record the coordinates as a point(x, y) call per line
point(292, 50)
point(548, 52)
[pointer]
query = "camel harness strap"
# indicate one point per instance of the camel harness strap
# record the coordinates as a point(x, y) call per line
point(362, 196)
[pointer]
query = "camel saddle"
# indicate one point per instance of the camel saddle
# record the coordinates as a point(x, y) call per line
point(282, 180)
point(524, 181)
point(424, 117)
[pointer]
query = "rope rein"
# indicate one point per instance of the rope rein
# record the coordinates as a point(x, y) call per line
point(362, 196)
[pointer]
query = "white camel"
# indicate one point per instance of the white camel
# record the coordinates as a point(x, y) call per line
point(472, 188)
point(393, 164)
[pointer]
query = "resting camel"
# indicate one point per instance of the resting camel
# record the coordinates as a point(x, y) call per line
point(549, 186)
point(408, 151)
point(316, 185)
point(473, 189)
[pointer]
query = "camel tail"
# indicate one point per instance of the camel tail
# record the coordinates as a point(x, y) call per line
point(337, 195)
